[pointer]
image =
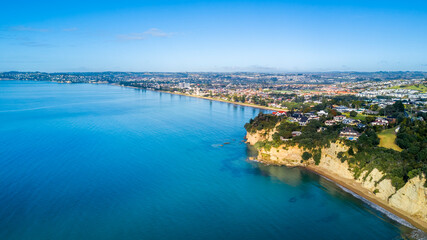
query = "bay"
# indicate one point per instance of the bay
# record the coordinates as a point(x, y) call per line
point(86, 161)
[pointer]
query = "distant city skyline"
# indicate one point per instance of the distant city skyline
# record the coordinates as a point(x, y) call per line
point(213, 36)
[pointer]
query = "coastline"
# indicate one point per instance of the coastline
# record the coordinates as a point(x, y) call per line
point(357, 188)
point(236, 103)
point(212, 99)
point(349, 184)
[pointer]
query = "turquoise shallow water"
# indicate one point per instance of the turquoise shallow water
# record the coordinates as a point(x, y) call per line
point(81, 161)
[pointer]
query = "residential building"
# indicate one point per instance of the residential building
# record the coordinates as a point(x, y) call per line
point(330, 122)
point(349, 133)
point(339, 118)
point(296, 133)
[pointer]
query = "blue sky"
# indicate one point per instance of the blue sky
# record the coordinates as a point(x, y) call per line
point(266, 36)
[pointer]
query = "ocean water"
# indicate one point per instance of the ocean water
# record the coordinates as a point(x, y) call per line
point(82, 161)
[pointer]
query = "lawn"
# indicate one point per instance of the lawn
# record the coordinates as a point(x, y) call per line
point(387, 138)
point(358, 117)
point(420, 87)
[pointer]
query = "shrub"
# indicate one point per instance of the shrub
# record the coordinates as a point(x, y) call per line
point(306, 156)
point(413, 173)
point(397, 182)
point(351, 151)
point(316, 158)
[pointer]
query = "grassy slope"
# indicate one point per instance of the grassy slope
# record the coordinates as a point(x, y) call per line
point(420, 87)
point(387, 138)
point(358, 117)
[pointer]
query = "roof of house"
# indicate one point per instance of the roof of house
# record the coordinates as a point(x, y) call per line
point(303, 119)
point(349, 130)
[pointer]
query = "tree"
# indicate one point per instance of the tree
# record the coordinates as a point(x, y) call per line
point(422, 155)
point(351, 151)
point(374, 107)
point(368, 139)
point(393, 110)
point(316, 157)
point(306, 109)
point(243, 98)
point(306, 156)
point(369, 119)
point(398, 106)
point(353, 114)
point(235, 98)
point(333, 112)
point(356, 103)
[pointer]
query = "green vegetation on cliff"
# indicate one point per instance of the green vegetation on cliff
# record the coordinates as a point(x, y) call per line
point(365, 154)
point(262, 122)
point(398, 166)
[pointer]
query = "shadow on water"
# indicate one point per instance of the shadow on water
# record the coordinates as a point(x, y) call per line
point(305, 179)
point(235, 167)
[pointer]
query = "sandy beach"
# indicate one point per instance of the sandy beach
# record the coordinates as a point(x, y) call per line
point(215, 99)
point(357, 188)
point(236, 103)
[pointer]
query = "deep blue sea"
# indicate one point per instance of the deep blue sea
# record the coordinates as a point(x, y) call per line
point(86, 161)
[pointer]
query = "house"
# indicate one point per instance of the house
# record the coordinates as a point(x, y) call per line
point(369, 112)
point(279, 113)
point(343, 109)
point(296, 133)
point(297, 116)
point(303, 121)
point(350, 121)
point(310, 114)
point(361, 125)
point(314, 118)
point(347, 121)
point(330, 122)
point(379, 122)
point(339, 118)
point(349, 133)
point(360, 110)
point(322, 113)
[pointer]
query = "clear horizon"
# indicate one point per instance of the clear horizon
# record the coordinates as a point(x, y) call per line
point(214, 36)
point(278, 72)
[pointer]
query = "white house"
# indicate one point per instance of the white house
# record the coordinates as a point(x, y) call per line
point(322, 113)
point(339, 118)
point(379, 122)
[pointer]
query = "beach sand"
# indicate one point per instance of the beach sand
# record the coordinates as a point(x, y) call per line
point(214, 99)
point(236, 103)
point(357, 188)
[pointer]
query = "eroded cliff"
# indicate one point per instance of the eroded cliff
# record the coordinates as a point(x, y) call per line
point(410, 200)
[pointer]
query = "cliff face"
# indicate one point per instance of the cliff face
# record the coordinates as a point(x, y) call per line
point(410, 199)
point(262, 135)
